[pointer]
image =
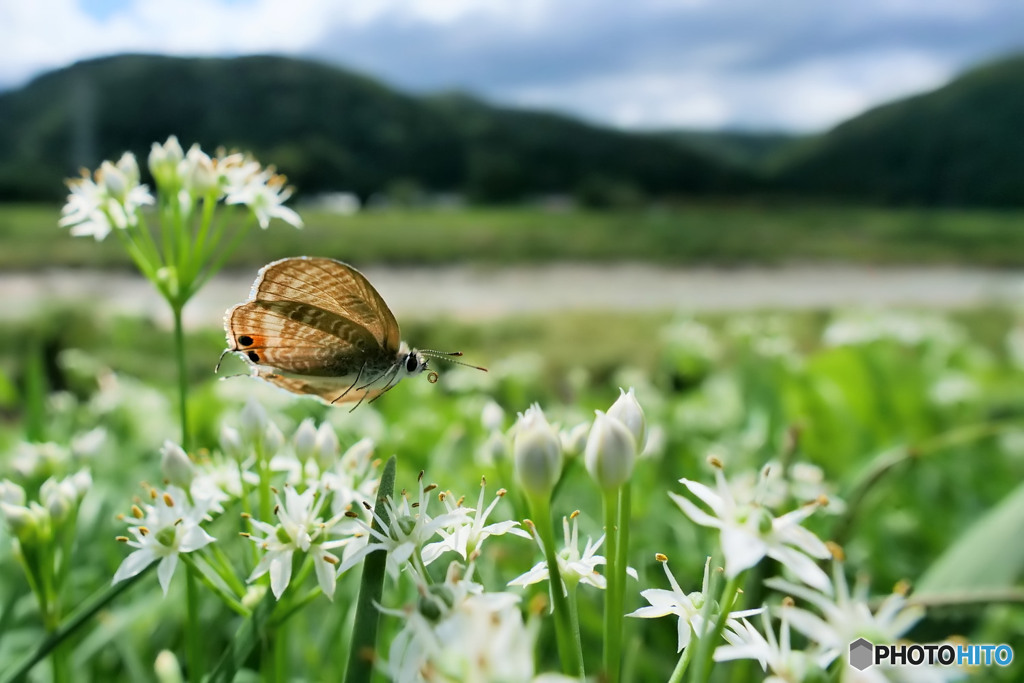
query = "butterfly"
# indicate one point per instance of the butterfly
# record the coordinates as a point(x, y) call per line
point(316, 326)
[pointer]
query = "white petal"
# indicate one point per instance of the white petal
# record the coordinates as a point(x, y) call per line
point(133, 564)
point(685, 632)
point(697, 515)
point(194, 539)
point(538, 573)
point(650, 612)
point(804, 567)
point(325, 575)
point(165, 570)
point(280, 572)
point(710, 498)
point(742, 550)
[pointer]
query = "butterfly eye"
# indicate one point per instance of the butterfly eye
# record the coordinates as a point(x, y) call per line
point(412, 363)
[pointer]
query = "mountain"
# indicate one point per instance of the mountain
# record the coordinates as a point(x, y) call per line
point(328, 129)
point(959, 145)
point(756, 151)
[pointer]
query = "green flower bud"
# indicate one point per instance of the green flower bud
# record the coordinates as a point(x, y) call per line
point(537, 452)
point(304, 440)
point(627, 410)
point(610, 452)
point(176, 466)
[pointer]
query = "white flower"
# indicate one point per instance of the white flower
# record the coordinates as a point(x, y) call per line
point(163, 530)
point(574, 566)
point(775, 654)
point(265, 195)
point(749, 532)
point(846, 617)
point(467, 532)
point(109, 199)
point(688, 607)
point(459, 633)
point(299, 528)
point(198, 172)
point(408, 529)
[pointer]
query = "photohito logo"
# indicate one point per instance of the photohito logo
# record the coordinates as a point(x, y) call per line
point(864, 653)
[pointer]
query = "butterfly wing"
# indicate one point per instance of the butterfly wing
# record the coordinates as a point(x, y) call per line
point(333, 390)
point(331, 286)
point(298, 338)
point(314, 317)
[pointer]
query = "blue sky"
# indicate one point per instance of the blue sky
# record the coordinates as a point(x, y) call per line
point(796, 65)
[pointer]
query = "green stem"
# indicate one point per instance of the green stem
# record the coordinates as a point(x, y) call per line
point(709, 639)
point(568, 649)
point(70, 626)
point(230, 600)
point(684, 661)
point(625, 518)
point(193, 629)
point(179, 352)
point(371, 588)
point(612, 610)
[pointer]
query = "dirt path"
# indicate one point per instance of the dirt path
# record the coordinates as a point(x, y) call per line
point(470, 292)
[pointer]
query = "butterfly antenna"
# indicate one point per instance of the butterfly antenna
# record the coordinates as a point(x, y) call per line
point(447, 356)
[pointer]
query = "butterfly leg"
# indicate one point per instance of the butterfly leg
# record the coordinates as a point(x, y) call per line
point(392, 371)
point(354, 382)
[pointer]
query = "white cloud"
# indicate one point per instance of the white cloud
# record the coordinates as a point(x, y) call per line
point(791, 64)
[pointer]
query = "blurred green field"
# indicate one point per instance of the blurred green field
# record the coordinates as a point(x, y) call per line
point(701, 233)
point(942, 394)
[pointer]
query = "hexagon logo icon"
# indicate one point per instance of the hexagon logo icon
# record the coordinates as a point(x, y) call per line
point(861, 654)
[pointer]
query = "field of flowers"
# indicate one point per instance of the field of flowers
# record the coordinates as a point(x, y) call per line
point(743, 497)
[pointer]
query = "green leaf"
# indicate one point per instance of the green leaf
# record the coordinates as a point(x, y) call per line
point(364, 634)
point(984, 557)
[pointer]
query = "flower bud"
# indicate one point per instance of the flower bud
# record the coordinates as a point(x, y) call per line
point(304, 441)
point(199, 174)
point(252, 423)
point(113, 180)
point(359, 452)
point(627, 410)
point(610, 452)
point(231, 442)
point(273, 439)
point(575, 439)
point(537, 452)
point(492, 417)
point(326, 452)
point(166, 668)
point(176, 466)
point(11, 493)
point(22, 521)
point(129, 168)
point(494, 449)
point(164, 160)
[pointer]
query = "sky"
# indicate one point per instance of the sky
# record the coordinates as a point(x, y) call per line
point(760, 65)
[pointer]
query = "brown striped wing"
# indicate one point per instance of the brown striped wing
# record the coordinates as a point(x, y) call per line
point(331, 286)
point(331, 389)
point(300, 338)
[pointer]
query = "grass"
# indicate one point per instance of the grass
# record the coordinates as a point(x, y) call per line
point(724, 234)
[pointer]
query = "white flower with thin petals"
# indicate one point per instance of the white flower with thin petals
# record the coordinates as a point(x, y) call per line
point(408, 529)
point(468, 531)
point(456, 632)
point(847, 616)
point(749, 532)
point(689, 607)
point(299, 529)
point(574, 566)
point(162, 531)
point(265, 195)
point(774, 654)
point(110, 199)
